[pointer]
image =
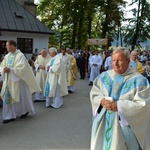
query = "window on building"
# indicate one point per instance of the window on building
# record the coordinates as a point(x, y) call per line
point(3, 49)
point(25, 45)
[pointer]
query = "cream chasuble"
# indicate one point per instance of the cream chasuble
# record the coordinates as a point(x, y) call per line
point(132, 93)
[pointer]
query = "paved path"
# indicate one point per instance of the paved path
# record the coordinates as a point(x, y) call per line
point(66, 128)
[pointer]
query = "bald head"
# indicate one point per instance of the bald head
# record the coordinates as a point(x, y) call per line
point(43, 52)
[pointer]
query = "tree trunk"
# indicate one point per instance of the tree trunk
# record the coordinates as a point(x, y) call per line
point(80, 32)
point(135, 36)
point(74, 34)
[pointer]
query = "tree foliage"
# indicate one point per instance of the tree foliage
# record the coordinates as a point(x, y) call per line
point(74, 21)
point(138, 27)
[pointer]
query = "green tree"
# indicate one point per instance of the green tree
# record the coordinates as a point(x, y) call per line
point(112, 17)
point(138, 27)
point(73, 21)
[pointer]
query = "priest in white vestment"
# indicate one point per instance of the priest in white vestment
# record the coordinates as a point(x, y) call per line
point(56, 85)
point(120, 101)
point(95, 64)
point(108, 62)
point(66, 62)
point(40, 65)
point(18, 84)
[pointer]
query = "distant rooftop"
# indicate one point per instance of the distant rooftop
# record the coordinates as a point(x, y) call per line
point(15, 18)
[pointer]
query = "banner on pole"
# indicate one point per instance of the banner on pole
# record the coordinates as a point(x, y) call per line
point(97, 41)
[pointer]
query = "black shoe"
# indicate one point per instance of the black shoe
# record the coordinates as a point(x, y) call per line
point(35, 101)
point(24, 115)
point(69, 91)
point(7, 121)
point(90, 84)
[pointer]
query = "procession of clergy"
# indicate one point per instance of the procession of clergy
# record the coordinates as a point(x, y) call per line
point(53, 78)
point(56, 75)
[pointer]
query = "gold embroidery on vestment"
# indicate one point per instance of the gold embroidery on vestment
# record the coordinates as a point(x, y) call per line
point(116, 88)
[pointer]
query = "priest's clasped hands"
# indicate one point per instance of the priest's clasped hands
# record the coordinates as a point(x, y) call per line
point(6, 70)
point(109, 105)
point(42, 67)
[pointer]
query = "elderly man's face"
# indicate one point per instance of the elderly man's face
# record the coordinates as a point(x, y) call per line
point(133, 56)
point(120, 62)
point(44, 53)
point(52, 54)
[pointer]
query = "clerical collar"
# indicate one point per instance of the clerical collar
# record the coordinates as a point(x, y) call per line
point(133, 60)
point(13, 53)
point(124, 72)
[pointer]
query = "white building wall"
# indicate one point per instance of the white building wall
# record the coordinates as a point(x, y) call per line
point(40, 41)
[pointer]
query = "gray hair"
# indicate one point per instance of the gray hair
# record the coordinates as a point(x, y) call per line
point(53, 50)
point(124, 50)
point(134, 52)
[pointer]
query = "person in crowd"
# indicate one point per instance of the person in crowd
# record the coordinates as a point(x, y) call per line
point(120, 100)
point(73, 72)
point(147, 70)
point(81, 65)
point(36, 52)
point(147, 67)
point(18, 84)
point(40, 64)
point(108, 62)
point(31, 63)
point(90, 53)
point(135, 63)
point(56, 85)
point(76, 56)
point(87, 67)
point(143, 57)
point(102, 54)
point(95, 65)
point(66, 62)
point(1, 80)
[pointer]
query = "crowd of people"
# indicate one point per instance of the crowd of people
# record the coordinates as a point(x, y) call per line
point(120, 92)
